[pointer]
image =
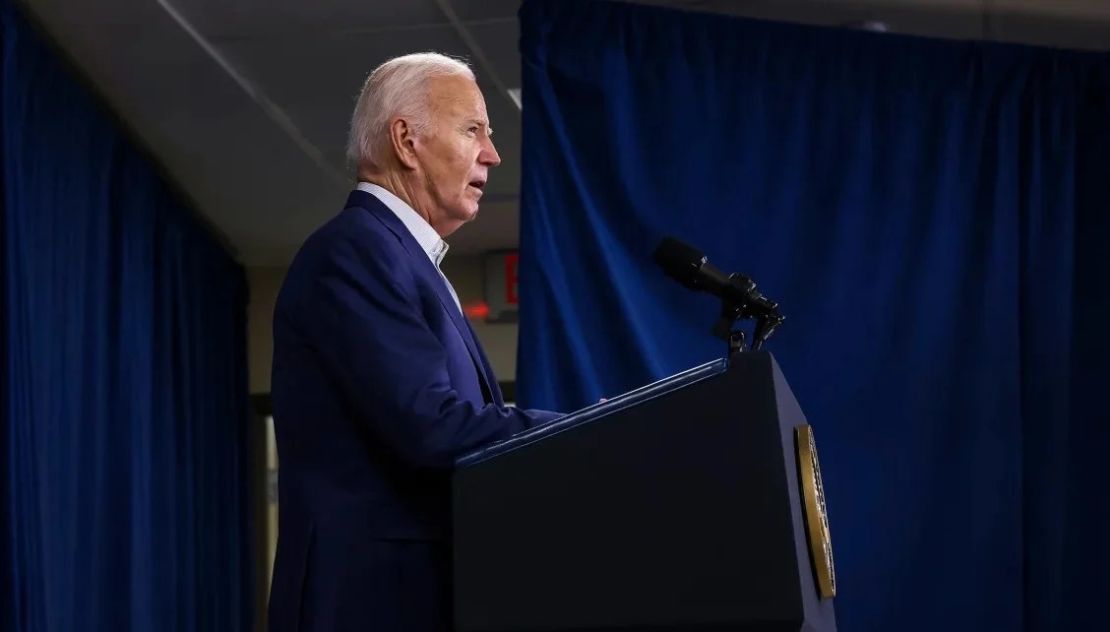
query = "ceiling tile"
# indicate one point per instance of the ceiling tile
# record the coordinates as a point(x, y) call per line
point(485, 9)
point(1091, 34)
point(117, 16)
point(292, 19)
point(330, 68)
point(500, 44)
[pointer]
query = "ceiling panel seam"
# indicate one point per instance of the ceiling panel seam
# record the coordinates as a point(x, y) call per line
point(475, 49)
point(273, 110)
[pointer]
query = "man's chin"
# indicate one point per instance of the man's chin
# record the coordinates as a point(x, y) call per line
point(461, 217)
point(469, 214)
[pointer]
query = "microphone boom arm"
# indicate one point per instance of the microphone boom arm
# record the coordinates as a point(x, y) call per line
point(746, 303)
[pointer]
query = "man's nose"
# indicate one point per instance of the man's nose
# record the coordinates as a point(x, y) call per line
point(488, 156)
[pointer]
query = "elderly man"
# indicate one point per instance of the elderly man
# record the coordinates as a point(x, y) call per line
point(378, 380)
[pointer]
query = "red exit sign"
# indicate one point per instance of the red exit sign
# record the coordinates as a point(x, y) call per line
point(512, 280)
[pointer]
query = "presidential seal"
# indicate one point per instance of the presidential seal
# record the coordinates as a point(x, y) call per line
point(816, 516)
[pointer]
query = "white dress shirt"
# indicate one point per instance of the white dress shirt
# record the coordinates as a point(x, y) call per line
point(422, 231)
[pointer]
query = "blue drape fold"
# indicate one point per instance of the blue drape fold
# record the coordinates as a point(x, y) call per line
point(123, 448)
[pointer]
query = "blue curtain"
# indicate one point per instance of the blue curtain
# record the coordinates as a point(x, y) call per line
point(123, 499)
point(934, 216)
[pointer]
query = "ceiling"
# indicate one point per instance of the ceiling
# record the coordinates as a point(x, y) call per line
point(245, 103)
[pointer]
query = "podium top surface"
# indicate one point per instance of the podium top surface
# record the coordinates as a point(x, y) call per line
point(594, 412)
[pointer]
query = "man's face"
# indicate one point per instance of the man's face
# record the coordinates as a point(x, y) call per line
point(455, 152)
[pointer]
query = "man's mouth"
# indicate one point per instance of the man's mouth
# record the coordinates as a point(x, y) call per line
point(478, 184)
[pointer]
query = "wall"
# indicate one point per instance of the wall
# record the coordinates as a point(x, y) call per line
point(264, 284)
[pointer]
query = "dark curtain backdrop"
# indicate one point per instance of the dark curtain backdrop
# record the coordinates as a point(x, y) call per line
point(123, 498)
point(934, 217)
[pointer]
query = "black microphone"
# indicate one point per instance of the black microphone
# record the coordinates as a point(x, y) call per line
point(690, 267)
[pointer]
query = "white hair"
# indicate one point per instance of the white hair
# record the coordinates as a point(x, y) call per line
point(398, 87)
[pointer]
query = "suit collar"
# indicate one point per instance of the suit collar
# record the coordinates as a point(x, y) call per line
point(429, 240)
point(371, 204)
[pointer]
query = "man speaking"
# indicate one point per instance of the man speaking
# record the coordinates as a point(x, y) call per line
point(378, 380)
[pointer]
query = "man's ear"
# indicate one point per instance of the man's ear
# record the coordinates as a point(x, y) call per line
point(402, 138)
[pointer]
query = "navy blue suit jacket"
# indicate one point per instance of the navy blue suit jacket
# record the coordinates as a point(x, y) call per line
point(378, 385)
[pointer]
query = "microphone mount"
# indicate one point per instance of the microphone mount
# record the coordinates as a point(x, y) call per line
point(746, 303)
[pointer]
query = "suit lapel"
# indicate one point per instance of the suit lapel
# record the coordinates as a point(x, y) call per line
point(495, 388)
point(372, 204)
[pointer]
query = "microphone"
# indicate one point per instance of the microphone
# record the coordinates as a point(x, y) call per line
point(690, 267)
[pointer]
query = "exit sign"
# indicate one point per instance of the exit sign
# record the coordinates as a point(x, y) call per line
point(502, 286)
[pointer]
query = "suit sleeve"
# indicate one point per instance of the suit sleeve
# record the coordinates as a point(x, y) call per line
point(539, 416)
point(363, 319)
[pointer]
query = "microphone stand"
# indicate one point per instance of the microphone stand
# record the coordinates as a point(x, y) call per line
point(746, 304)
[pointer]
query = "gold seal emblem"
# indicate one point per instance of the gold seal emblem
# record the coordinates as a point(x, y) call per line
point(816, 516)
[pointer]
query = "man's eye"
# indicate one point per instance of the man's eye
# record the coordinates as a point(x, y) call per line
point(473, 130)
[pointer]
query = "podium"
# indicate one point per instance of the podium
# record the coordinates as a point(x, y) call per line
point(681, 505)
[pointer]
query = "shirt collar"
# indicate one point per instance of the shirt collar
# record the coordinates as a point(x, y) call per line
point(422, 231)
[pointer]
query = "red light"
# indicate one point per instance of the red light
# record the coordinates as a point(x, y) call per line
point(476, 310)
